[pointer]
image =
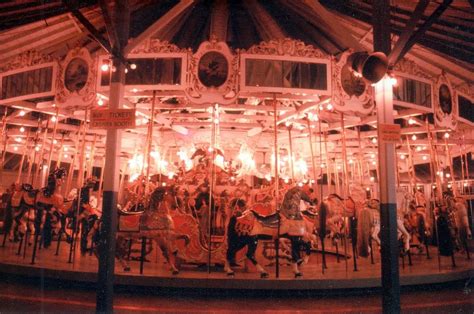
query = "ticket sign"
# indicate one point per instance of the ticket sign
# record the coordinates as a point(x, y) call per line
point(113, 119)
point(389, 133)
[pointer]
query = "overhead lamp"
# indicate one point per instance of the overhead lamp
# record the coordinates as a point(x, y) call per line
point(413, 137)
point(133, 66)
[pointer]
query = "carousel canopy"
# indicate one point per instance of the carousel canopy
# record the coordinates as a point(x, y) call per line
point(291, 52)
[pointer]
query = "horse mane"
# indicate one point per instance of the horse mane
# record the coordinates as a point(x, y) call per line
point(157, 196)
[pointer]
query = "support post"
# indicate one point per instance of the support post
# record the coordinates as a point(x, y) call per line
point(388, 206)
point(111, 170)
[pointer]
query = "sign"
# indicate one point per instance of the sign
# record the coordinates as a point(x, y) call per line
point(113, 119)
point(389, 133)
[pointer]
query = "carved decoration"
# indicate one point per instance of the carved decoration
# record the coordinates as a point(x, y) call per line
point(351, 94)
point(410, 67)
point(157, 46)
point(212, 74)
point(446, 103)
point(26, 59)
point(287, 46)
point(76, 79)
point(466, 89)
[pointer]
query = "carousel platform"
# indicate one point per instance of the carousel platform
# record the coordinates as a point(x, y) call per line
point(338, 275)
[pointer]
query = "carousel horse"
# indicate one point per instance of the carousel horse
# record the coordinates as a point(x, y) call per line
point(417, 227)
point(49, 205)
point(154, 223)
point(374, 227)
point(293, 225)
point(238, 240)
point(461, 220)
point(23, 212)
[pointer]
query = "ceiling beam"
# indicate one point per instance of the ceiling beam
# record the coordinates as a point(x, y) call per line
point(422, 29)
point(267, 28)
point(169, 16)
point(109, 25)
point(219, 20)
point(89, 27)
point(408, 31)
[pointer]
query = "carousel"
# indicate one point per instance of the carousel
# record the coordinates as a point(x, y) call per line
point(248, 151)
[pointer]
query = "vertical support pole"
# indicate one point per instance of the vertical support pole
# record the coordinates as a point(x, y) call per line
point(51, 147)
point(111, 170)
point(388, 207)
point(22, 162)
point(277, 178)
point(313, 164)
point(105, 280)
point(292, 167)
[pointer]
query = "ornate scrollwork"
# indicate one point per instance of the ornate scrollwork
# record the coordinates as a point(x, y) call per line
point(212, 74)
point(76, 79)
point(26, 59)
point(410, 67)
point(287, 46)
point(446, 103)
point(350, 93)
point(466, 89)
point(157, 46)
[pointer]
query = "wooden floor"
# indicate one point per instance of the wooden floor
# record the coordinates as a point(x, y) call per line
point(338, 275)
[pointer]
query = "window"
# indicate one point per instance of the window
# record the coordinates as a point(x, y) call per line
point(412, 91)
point(466, 108)
point(285, 74)
point(30, 82)
point(157, 71)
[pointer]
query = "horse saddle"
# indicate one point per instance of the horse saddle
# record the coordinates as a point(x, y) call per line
point(309, 214)
point(128, 221)
point(270, 221)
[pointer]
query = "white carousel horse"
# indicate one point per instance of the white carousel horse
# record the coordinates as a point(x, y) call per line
point(369, 223)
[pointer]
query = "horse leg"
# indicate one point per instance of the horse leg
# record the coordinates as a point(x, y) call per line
point(295, 255)
point(406, 235)
point(167, 249)
point(251, 249)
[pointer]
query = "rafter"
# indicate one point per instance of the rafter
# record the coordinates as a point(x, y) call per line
point(176, 11)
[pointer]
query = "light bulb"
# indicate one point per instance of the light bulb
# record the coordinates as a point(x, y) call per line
point(446, 135)
point(53, 119)
point(413, 137)
point(100, 102)
point(22, 129)
point(133, 66)
point(22, 113)
point(104, 67)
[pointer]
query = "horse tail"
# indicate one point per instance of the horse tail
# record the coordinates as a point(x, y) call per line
point(363, 232)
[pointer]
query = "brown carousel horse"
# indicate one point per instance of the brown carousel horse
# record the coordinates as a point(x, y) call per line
point(153, 223)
